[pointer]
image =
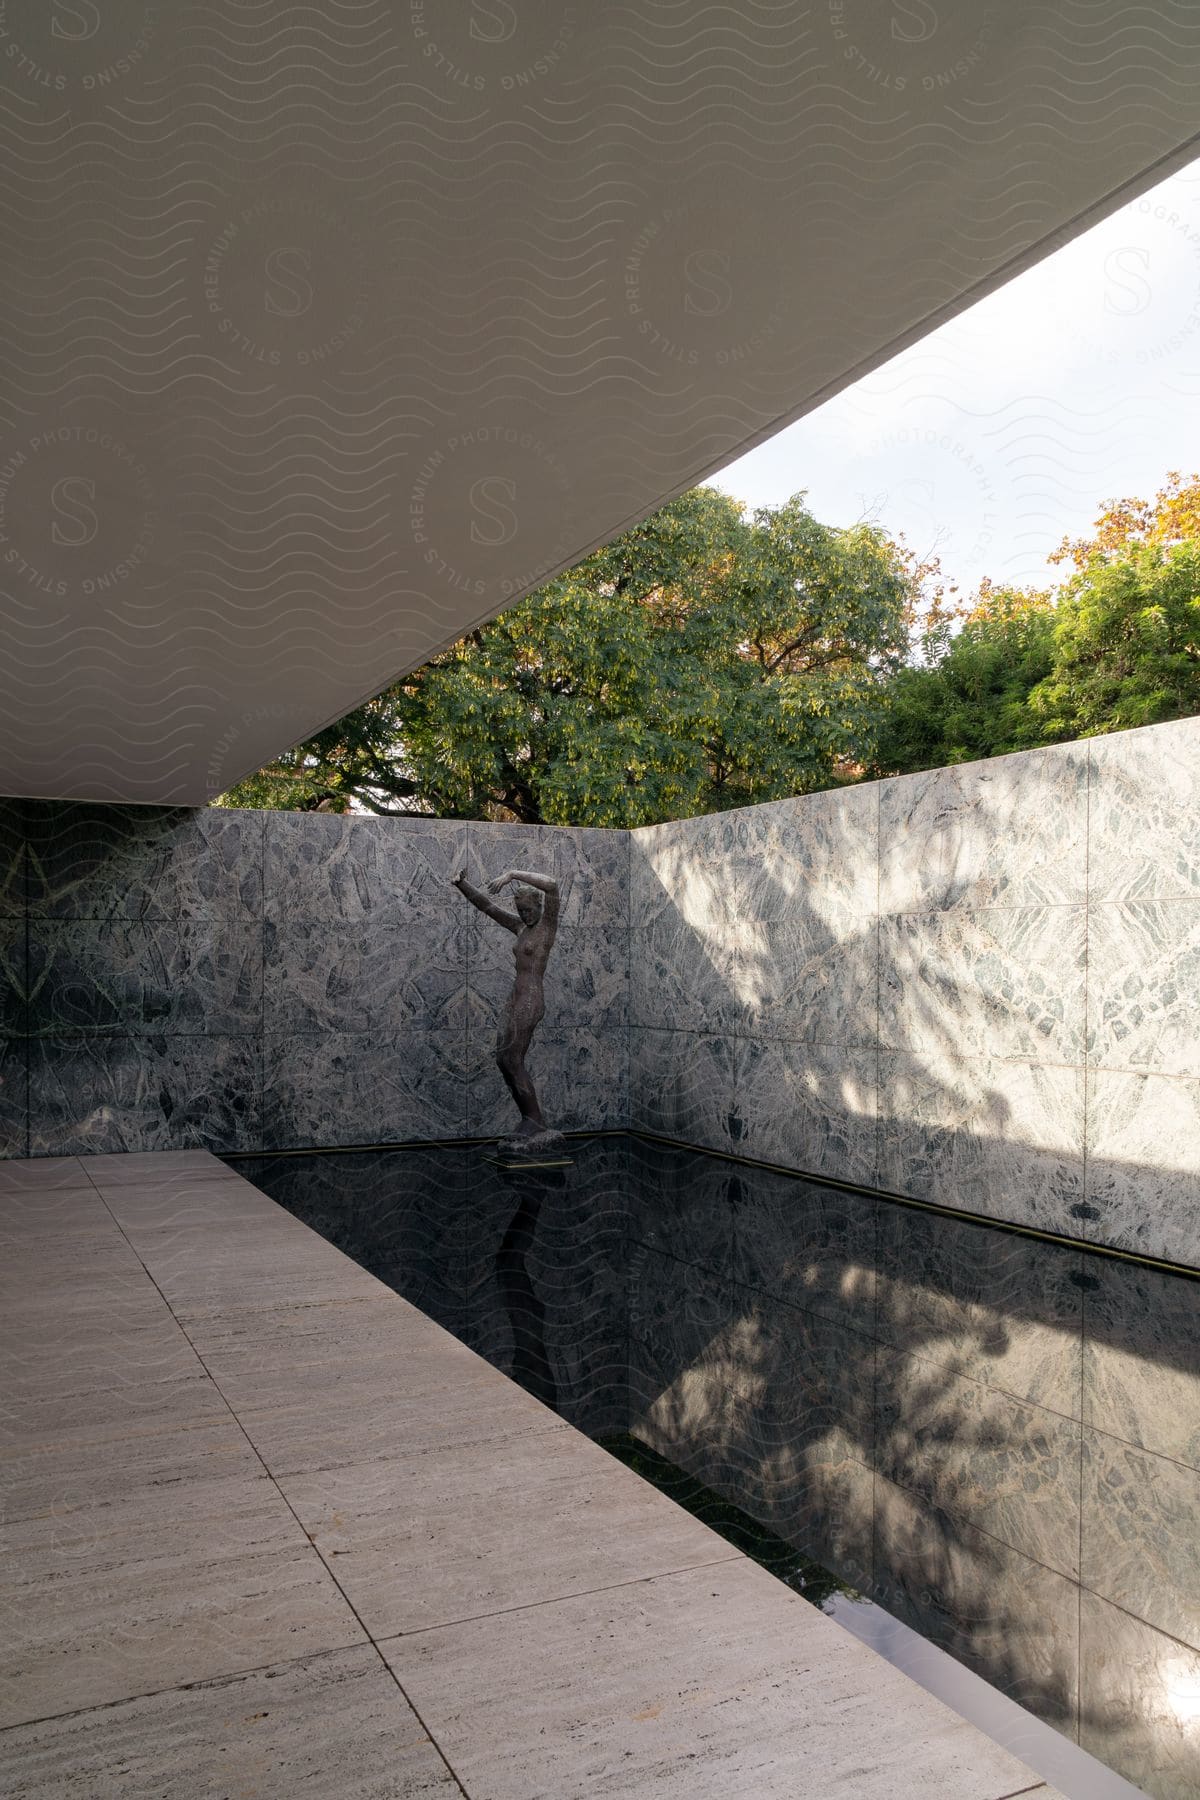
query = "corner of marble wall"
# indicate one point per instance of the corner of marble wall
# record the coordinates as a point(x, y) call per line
point(144, 978)
point(591, 864)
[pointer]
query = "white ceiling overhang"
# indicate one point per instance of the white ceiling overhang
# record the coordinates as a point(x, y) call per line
point(332, 328)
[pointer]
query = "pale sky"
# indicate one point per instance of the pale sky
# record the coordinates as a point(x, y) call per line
point(1007, 428)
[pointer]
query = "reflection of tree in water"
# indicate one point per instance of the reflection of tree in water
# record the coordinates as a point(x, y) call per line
point(854, 1419)
point(728, 1521)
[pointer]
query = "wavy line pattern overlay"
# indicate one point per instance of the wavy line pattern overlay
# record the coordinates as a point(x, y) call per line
point(332, 328)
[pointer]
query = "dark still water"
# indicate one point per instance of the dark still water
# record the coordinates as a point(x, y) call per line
point(993, 1439)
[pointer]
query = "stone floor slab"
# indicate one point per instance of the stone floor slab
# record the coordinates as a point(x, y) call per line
point(412, 1547)
point(717, 1684)
point(41, 1174)
point(328, 1727)
point(376, 1412)
point(170, 1584)
point(71, 1450)
point(47, 1353)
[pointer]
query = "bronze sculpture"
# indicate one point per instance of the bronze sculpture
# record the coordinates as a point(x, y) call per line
point(534, 925)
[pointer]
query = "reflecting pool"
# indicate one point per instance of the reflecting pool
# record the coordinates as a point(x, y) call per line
point(993, 1438)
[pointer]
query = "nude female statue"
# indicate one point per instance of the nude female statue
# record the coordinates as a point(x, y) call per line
point(534, 925)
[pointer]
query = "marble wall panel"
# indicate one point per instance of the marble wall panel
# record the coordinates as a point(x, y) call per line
point(1005, 982)
point(685, 977)
point(14, 1096)
point(690, 1397)
point(14, 978)
point(810, 1246)
point(1011, 831)
point(1011, 1619)
point(1141, 1525)
point(328, 975)
point(815, 857)
point(825, 1510)
point(1143, 982)
point(1139, 1696)
point(126, 977)
point(363, 1088)
point(97, 1093)
point(808, 980)
point(590, 864)
point(684, 1205)
point(1144, 828)
point(340, 866)
point(144, 862)
point(581, 1078)
point(976, 1454)
point(13, 858)
point(1141, 1358)
point(1005, 1311)
point(144, 976)
point(1003, 1139)
point(685, 868)
point(814, 1376)
point(768, 1405)
point(810, 1107)
point(684, 1085)
point(1143, 1167)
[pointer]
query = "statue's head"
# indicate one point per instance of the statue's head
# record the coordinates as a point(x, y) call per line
point(528, 903)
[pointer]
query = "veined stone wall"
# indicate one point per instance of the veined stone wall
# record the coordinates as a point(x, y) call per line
point(978, 986)
point(245, 980)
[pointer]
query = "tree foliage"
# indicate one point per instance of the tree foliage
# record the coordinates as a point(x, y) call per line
point(968, 696)
point(703, 660)
point(710, 658)
point(1127, 632)
point(1116, 645)
point(1126, 645)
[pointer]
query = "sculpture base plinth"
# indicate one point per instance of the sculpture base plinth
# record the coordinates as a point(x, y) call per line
point(532, 1143)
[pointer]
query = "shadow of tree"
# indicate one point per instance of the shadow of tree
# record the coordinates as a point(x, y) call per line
point(896, 1395)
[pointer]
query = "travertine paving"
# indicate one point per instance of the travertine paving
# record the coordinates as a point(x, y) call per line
point(269, 1531)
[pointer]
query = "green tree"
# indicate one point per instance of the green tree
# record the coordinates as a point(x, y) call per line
point(1127, 633)
point(967, 696)
point(703, 660)
point(1116, 644)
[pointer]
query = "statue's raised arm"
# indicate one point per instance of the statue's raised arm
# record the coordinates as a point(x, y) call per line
point(542, 884)
point(478, 898)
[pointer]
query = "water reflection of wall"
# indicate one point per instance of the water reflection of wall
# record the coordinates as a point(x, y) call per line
point(975, 986)
point(996, 1438)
